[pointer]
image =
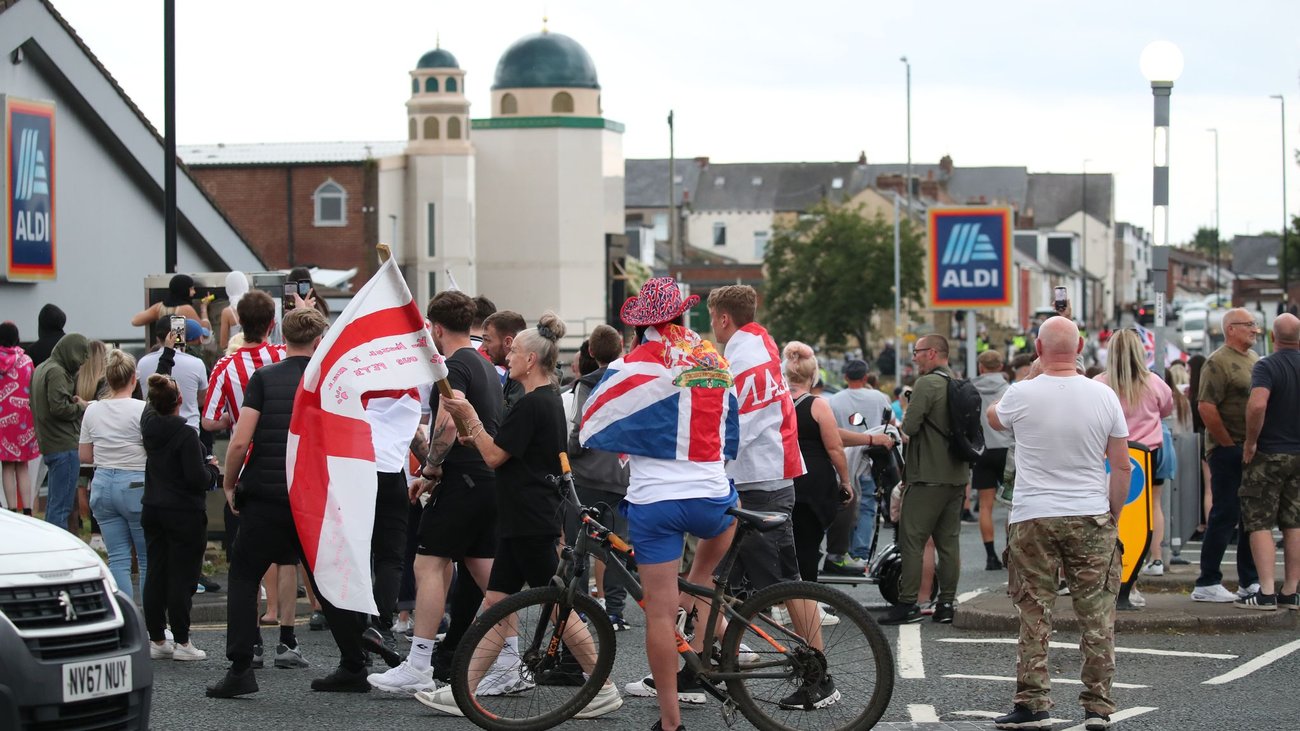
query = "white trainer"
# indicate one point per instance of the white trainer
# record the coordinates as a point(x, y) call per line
point(404, 679)
point(781, 616)
point(1216, 593)
point(746, 656)
point(440, 699)
point(188, 653)
point(1155, 568)
point(606, 701)
point(1136, 599)
point(1243, 592)
point(161, 650)
point(503, 677)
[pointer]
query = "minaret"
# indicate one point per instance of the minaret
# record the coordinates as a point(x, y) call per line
point(438, 112)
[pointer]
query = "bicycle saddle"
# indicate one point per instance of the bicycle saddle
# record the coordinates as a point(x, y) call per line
point(762, 521)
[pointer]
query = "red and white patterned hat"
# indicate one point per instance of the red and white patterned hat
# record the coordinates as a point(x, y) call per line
point(659, 301)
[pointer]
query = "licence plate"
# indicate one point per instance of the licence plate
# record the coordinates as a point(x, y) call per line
point(96, 678)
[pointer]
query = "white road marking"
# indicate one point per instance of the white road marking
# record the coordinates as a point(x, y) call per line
point(910, 664)
point(1070, 646)
point(1061, 681)
point(966, 596)
point(1262, 661)
point(1118, 716)
point(921, 713)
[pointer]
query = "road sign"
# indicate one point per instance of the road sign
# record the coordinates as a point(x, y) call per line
point(969, 257)
point(27, 165)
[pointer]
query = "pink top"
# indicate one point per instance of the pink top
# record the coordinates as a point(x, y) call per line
point(1144, 417)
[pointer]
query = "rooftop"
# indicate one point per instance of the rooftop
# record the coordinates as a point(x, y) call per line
point(279, 153)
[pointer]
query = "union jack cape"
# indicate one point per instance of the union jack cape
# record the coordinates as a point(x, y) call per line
point(769, 433)
point(670, 398)
point(378, 344)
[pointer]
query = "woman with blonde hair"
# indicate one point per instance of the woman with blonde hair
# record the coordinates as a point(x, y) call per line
point(91, 386)
point(1146, 400)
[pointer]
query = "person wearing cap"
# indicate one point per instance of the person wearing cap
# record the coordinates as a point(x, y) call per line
point(848, 542)
point(669, 497)
point(179, 300)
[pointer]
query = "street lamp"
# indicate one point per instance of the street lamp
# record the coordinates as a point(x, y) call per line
point(1083, 250)
point(1285, 290)
point(1161, 63)
point(898, 287)
point(1217, 282)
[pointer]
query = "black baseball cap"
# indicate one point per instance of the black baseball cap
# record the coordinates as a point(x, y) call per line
point(856, 370)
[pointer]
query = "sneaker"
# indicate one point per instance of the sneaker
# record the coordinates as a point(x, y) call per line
point(927, 609)
point(828, 616)
point(943, 613)
point(209, 584)
point(686, 624)
point(1063, 589)
point(843, 566)
point(968, 517)
point(1136, 599)
point(689, 689)
point(828, 619)
point(440, 699)
point(901, 614)
point(97, 543)
point(200, 588)
point(342, 680)
point(606, 701)
point(1155, 568)
point(188, 653)
point(620, 624)
point(1243, 592)
point(1023, 718)
point(403, 679)
point(317, 622)
point(233, 685)
point(161, 650)
point(1262, 602)
point(402, 626)
point(289, 657)
point(811, 697)
point(1289, 601)
point(1216, 593)
point(258, 662)
point(1093, 721)
point(992, 563)
point(659, 726)
point(503, 677)
point(746, 656)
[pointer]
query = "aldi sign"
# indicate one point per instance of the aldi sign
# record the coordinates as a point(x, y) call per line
point(969, 258)
point(28, 169)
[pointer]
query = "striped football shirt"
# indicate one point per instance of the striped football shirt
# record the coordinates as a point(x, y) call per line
point(230, 377)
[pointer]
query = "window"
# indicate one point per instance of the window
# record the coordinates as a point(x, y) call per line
point(449, 85)
point(431, 235)
point(331, 204)
point(509, 105)
point(453, 128)
point(760, 244)
point(756, 181)
point(719, 181)
point(433, 284)
point(837, 183)
point(415, 86)
point(661, 226)
point(562, 102)
point(431, 85)
point(719, 233)
point(430, 128)
point(412, 128)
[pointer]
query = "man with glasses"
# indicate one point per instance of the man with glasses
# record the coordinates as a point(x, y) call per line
point(1225, 391)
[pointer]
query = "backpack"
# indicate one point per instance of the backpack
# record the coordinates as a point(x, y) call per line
point(966, 440)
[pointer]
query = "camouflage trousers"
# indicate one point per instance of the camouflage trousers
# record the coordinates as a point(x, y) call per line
point(1085, 548)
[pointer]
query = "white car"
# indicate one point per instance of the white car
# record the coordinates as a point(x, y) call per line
point(1192, 326)
point(73, 649)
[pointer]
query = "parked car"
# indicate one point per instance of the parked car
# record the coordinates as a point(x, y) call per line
point(1193, 323)
point(73, 649)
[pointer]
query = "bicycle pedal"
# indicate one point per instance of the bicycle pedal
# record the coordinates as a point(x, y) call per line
point(729, 715)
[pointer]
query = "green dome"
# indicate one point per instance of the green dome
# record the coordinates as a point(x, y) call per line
point(546, 60)
point(438, 59)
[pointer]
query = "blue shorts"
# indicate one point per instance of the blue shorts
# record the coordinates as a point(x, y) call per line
point(657, 530)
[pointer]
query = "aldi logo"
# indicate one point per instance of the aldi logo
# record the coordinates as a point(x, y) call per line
point(29, 183)
point(969, 257)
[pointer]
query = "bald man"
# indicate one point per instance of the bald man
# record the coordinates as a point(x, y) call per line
point(1064, 517)
point(1270, 486)
point(1225, 390)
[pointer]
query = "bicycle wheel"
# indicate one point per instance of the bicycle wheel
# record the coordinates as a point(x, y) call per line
point(551, 686)
point(843, 680)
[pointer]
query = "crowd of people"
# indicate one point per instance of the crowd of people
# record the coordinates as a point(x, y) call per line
point(465, 514)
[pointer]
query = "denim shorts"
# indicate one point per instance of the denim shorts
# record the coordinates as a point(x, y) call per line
point(658, 529)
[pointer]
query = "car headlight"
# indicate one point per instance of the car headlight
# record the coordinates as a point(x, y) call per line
point(1187, 340)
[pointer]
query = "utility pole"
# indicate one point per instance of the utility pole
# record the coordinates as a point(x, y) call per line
point(908, 184)
point(1083, 249)
point(673, 254)
point(169, 136)
point(1285, 224)
point(1217, 232)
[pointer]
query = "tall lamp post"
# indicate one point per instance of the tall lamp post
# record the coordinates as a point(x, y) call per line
point(898, 287)
point(1285, 223)
point(1218, 283)
point(1162, 64)
point(1083, 248)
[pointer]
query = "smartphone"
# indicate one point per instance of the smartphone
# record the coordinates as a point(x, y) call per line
point(178, 327)
point(290, 289)
point(304, 288)
point(1060, 299)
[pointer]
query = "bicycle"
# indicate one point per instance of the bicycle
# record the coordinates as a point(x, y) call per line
point(560, 626)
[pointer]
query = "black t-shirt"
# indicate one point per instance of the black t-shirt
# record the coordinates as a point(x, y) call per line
point(471, 374)
point(271, 391)
point(1280, 374)
point(534, 434)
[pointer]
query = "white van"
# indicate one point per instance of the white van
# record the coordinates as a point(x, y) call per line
point(73, 649)
point(1193, 324)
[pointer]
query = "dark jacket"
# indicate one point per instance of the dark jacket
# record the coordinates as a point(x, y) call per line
point(49, 328)
point(54, 384)
point(592, 468)
point(263, 478)
point(176, 475)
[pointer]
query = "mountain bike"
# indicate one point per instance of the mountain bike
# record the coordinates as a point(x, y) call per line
point(776, 645)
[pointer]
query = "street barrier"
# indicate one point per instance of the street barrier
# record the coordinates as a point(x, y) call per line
point(1182, 498)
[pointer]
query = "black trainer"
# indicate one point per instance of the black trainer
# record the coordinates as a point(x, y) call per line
point(811, 697)
point(943, 612)
point(1258, 601)
point(342, 680)
point(258, 662)
point(318, 623)
point(992, 564)
point(1023, 718)
point(1094, 721)
point(1288, 601)
point(234, 685)
point(902, 614)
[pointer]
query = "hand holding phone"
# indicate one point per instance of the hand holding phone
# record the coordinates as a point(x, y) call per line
point(290, 289)
point(178, 328)
point(1060, 299)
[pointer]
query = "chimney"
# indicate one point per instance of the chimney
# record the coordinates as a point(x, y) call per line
point(702, 161)
point(945, 164)
point(929, 174)
point(862, 157)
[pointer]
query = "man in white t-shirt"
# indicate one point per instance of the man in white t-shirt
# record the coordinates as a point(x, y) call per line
point(189, 373)
point(1064, 517)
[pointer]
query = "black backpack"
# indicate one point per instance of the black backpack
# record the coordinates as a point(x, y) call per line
point(966, 440)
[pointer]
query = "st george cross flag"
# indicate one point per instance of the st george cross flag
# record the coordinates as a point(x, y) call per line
point(670, 398)
point(769, 434)
point(379, 343)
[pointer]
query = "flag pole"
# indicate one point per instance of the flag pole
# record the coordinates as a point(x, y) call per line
point(444, 388)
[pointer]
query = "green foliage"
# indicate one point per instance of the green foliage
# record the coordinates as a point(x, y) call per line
point(1205, 239)
point(830, 271)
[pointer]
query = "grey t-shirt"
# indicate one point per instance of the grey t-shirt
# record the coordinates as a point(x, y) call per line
point(869, 402)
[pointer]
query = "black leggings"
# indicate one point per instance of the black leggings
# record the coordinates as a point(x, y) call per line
point(808, 533)
point(174, 543)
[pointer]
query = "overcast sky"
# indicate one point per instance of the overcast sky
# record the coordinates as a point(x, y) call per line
point(1041, 83)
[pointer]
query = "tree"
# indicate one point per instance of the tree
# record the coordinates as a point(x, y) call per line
point(832, 269)
point(1205, 240)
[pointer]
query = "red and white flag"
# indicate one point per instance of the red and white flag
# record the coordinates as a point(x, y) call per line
point(379, 343)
